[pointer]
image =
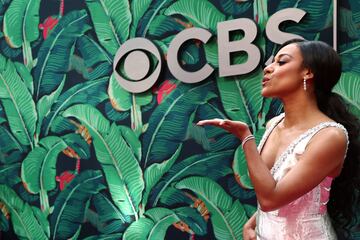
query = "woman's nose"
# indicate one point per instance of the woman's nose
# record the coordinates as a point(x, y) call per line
point(268, 69)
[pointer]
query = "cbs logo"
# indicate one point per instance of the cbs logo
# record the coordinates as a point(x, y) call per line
point(133, 62)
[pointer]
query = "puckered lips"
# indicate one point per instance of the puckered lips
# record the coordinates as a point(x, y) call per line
point(265, 80)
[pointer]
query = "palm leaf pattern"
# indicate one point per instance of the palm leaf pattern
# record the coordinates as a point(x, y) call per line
point(18, 104)
point(81, 158)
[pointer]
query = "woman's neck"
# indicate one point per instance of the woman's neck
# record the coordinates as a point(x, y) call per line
point(301, 111)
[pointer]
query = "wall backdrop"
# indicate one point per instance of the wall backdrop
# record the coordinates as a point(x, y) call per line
point(81, 158)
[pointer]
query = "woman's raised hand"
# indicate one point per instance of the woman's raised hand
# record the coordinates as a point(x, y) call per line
point(239, 129)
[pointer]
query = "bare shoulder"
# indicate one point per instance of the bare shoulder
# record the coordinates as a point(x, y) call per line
point(329, 143)
point(272, 120)
point(332, 135)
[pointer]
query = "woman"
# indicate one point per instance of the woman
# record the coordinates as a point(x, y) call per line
point(306, 151)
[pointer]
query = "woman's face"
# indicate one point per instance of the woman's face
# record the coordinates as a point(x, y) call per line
point(285, 75)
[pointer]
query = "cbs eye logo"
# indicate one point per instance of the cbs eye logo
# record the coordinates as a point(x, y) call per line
point(132, 65)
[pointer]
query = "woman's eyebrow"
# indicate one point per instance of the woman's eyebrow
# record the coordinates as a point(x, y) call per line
point(284, 54)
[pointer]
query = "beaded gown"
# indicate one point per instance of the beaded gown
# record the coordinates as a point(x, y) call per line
point(306, 217)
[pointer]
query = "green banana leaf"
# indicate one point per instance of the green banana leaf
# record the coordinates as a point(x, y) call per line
point(131, 140)
point(97, 61)
point(78, 144)
point(350, 56)
point(25, 224)
point(227, 217)
point(155, 171)
point(17, 103)
point(62, 125)
point(2, 115)
point(90, 92)
point(38, 170)
point(20, 32)
point(25, 75)
point(172, 197)
point(123, 100)
point(191, 217)
point(43, 106)
point(7, 51)
point(114, 115)
point(238, 192)
point(138, 9)
point(110, 217)
point(241, 96)
point(347, 24)
point(153, 10)
point(200, 13)
point(276, 107)
point(13, 157)
point(71, 204)
point(214, 165)
point(211, 52)
point(240, 166)
point(250, 210)
point(348, 87)
point(117, 158)
point(212, 139)
point(11, 143)
point(138, 230)
point(163, 26)
point(9, 174)
point(25, 195)
point(55, 52)
point(261, 14)
point(154, 227)
point(42, 220)
point(189, 54)
point(355, 7)
point(4, 223)
point(17, 32)
point(169, 121)
point(115, 236)
point(111, 20)
point(235, 8)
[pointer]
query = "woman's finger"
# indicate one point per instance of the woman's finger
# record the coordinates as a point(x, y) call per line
point(215, 121)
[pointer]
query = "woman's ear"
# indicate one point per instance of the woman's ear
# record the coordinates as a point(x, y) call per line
point(308, 74)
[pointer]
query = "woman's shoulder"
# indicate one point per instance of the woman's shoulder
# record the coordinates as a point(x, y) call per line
point(275, 120)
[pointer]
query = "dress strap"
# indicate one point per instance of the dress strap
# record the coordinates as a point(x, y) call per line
point(274, 122)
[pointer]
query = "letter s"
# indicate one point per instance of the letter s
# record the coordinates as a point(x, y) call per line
point(272, 27)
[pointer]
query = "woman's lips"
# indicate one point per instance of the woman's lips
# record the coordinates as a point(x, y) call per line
point(265, 80)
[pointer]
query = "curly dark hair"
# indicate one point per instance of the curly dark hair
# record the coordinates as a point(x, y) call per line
point(325, 64)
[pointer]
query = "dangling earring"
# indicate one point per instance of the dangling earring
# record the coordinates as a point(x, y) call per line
point(305, 84)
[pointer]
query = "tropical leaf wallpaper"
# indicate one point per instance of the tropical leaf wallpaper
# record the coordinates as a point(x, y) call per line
point(81, 158)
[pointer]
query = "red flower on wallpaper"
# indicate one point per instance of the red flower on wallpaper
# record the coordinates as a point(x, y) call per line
point(165, 89)
point(65, 178)
point(48, 25)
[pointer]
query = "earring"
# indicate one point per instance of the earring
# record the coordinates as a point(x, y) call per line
point(305, 84)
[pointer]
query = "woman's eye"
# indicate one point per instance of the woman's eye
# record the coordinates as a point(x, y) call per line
point(281, 62)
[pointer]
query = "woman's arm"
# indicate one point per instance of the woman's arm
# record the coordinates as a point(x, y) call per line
point(323, 155)
point(249, 228)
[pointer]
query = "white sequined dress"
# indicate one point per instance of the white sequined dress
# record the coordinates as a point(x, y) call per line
point(306, 217)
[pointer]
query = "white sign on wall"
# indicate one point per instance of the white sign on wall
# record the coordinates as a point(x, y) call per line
point(137, 63)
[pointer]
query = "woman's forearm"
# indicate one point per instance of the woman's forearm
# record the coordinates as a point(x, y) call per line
point(261, 178)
